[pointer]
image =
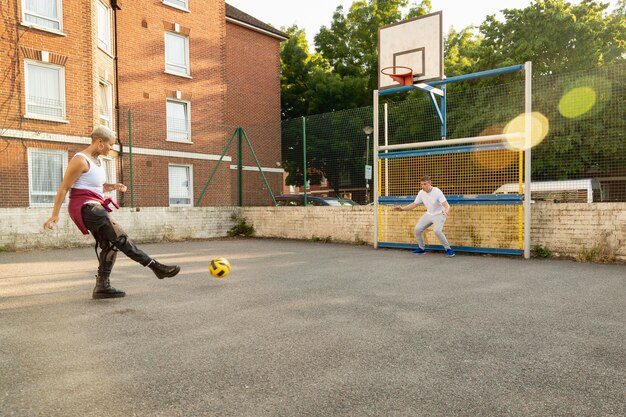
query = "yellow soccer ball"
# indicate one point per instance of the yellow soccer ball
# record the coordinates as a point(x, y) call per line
point(219, 267)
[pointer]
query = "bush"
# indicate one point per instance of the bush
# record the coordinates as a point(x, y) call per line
point(241, 226)
point(326, 239)
point(541, 251)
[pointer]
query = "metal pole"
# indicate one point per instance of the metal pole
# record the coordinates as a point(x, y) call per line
point(527, 155)
point(465, 77)
point(130, 157)
point(304, 157)
point(444, 116)
point(375, 167)
point(386, 116)
point(239, 169)
point(516, 137)
point(367, 162)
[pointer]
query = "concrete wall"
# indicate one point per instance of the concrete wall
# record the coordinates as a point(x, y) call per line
point(573, 230)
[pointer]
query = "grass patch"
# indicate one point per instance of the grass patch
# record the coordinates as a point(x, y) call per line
point(597, 253)
point(601, 252)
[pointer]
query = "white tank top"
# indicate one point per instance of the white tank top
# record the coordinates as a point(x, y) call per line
point(93, 179)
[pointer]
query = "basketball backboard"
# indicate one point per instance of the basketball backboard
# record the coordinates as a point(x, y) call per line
point(415, 43)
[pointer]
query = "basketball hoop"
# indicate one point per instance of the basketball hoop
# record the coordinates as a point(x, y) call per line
point(404, 78)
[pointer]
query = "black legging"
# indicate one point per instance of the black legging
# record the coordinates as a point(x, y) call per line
point(111, 238)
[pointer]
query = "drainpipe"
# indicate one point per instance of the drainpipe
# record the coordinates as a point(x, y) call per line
point(116, 5)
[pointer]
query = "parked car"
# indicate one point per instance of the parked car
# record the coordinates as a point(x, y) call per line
point(298, 200)
point(566, 191)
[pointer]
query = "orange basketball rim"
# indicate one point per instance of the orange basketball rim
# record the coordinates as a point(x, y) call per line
point(404, 77)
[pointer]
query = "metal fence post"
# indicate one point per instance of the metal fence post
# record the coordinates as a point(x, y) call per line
point(304, 157)
point(130, 157)
point(239, 169)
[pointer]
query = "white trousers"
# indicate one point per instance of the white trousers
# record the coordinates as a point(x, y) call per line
point(425, 221)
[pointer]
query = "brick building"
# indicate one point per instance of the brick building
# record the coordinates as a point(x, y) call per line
point(173, 78)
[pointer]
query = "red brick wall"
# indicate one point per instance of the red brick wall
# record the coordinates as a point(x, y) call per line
point(144, 87)
point(253, 102)
point(14, 157)
point(151, 193)
point(254, 188)
point(76, 49)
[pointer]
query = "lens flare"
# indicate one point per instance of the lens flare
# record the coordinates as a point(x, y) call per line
point(577, 102)
point(492, 130)
point(494, 160)
point(539, 126)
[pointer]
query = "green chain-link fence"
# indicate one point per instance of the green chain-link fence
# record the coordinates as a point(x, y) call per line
point(581, 114)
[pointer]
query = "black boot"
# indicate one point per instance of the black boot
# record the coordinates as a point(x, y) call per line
point(164, 271)
point(103, 289)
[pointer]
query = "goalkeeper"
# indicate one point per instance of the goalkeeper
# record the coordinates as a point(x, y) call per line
point(437, 210)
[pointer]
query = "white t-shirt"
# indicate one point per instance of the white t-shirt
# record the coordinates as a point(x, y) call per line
point(433, 200)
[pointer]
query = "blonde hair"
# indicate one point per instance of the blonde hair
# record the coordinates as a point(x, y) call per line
point(426, 178)
point(103, 132)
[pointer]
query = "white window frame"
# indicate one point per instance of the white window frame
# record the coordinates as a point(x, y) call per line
point(169, 194)
point(53, 193)
point(187, 71)
point(109, 98)
point(26, 12)
point(104, 44)
point(110, 167)
point(172, 3)
point(188, 114)
point(61, 70)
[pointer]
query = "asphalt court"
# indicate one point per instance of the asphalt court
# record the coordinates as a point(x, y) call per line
point(311, 329)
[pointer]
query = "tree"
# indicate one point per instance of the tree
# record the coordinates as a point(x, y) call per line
point(308, 86)
point(341, 75)
point(350, 45)
point(570, 47)
point(296, 67)
point(555, 35)
point(581, 40)
point(461, 51)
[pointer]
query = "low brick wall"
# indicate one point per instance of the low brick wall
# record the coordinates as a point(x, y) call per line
point(576, 229)
point(21, 228)
point(573, 230)
point(342, 224)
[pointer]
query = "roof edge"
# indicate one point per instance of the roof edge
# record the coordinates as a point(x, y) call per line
point(234, 15)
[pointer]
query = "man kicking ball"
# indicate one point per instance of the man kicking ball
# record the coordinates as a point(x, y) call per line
point(85, 179)
point(437, 209)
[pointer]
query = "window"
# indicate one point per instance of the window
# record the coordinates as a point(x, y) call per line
point(109, 168)
point(44, 13)
point(104, 27)
point(180, 4)
point(45, 172)
point(105, 105)
point(180, 182)
point(176, 54)
point(178, 121)
point(45, 91)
